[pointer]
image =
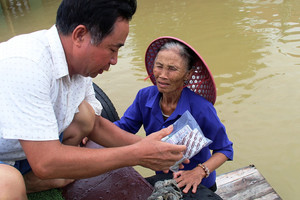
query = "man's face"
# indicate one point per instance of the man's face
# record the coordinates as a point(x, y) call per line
point(92, 60)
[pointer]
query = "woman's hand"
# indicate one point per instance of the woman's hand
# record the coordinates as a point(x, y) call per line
point(189, 179)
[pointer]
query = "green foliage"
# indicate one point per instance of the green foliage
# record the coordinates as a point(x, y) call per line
point(53, 194)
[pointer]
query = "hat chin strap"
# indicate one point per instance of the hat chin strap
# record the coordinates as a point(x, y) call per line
point(148, 77)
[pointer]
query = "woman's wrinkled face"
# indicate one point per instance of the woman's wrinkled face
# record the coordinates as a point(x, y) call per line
point(170, 71)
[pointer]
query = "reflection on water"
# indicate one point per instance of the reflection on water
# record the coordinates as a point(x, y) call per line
point(278, 26)
point(16, 8)
point(252, 48)
point(12, 10)
point(24, 16)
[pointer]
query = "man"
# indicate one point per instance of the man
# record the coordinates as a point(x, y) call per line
point(47, 97)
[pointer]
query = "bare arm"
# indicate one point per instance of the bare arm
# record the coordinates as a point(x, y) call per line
point(51, 159)
point(108, 134)
point(215, 161)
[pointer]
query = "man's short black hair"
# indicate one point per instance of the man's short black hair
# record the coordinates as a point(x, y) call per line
point(98, 16)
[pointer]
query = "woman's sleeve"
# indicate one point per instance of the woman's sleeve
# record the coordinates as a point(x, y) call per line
point(213, 129)
point(132, 121)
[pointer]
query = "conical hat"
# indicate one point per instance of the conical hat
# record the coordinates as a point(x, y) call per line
point(201, 81)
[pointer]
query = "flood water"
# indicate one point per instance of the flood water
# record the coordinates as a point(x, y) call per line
point(252, 48)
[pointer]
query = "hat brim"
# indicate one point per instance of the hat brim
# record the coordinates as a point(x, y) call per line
point(201, 81)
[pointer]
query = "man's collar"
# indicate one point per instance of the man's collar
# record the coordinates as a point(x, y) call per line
point(58, 55)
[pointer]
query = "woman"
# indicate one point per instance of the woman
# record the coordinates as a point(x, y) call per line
point(182, 82)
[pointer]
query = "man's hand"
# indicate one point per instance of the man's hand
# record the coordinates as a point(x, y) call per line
point(158, 155)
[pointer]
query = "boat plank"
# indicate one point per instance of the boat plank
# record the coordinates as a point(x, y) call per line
point(245, 183)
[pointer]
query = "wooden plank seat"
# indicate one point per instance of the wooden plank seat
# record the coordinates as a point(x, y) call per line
point(245, 183)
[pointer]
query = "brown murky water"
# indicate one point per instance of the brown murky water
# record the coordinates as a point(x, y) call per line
point(252, 48)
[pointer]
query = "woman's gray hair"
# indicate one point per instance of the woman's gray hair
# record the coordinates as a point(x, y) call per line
point(184, 52)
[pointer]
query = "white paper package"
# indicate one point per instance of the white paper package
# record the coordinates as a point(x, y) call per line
point(187, 132)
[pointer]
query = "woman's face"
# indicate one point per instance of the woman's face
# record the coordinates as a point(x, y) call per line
point(170, 71)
